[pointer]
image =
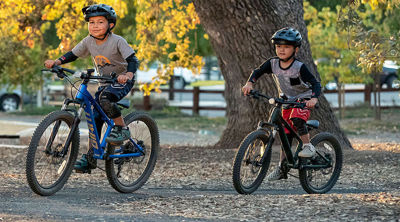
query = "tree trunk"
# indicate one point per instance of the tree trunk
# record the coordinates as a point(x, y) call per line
point(240, 32)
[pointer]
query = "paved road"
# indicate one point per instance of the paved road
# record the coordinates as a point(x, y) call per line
point(102, 203)
point(25, 126)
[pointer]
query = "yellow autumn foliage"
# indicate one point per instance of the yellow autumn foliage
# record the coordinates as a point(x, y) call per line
point(162, 27)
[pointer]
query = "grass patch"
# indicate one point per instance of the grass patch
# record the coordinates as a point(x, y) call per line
point(34, 110)
point(360, 120)
point(192, 123)
point(171, 118)
point(365, 111)
point(208, 83)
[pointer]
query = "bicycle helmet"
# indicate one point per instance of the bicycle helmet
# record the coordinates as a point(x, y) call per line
point(287, 36)
point(100, 10)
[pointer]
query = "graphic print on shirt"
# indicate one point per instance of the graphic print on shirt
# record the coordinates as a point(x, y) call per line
point(102, 63)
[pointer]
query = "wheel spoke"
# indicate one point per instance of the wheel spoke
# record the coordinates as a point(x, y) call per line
point(248, 171)
point(47, 170)
point(250, 163)
point(135, 170)
point(321, 180)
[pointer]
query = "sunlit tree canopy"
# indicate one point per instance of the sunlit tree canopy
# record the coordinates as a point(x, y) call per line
point(157, 30)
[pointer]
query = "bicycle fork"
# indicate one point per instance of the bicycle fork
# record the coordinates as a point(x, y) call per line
point(271, 139)
point(67, 142)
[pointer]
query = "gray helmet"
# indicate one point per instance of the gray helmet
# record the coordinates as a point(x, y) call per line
point(100, 10)
point(287, 36)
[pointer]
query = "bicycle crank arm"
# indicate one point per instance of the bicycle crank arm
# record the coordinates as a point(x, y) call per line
point(126, 155)
point(316, 166)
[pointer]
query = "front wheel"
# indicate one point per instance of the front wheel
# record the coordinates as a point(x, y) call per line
point(48, 164)
point(329, 156)
point(128, 174)
point(248, 170)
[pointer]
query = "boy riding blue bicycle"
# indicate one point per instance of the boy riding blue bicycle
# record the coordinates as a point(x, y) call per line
point(297, 83)
point(110, 53)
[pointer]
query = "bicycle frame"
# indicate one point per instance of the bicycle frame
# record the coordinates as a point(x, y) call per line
point(86, 101)
point(278, 124)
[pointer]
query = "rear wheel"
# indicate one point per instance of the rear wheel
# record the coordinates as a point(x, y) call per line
point(329, 154)
point(47, 167)
point(130, 173)
point(248, 170)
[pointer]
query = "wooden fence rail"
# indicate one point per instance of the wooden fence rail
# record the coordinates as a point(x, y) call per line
point(196, 91)
point(196, 99)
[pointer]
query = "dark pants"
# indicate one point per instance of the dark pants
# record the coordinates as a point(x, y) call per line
point(117, 92)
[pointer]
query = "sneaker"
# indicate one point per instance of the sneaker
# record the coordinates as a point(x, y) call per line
point(84, 165)
point(277, 174)
point(118, 135)
point(308, 151)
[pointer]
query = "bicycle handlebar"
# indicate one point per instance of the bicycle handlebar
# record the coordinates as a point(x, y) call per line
point(86, 75)
point(272, 100)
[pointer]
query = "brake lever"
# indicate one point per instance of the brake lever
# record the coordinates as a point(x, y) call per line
point(58, 70)
point(254, 94)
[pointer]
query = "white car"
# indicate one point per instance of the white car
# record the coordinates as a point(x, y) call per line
point(182, 76)
point(388, 78)
point(9, 99)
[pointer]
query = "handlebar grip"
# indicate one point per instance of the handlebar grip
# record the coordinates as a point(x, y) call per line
point(69, 70)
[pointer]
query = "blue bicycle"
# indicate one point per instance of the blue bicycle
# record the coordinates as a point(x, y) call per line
point(54, 146)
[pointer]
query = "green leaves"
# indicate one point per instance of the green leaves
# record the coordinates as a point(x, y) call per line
point(355, 40)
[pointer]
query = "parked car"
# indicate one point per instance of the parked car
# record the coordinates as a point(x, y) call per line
point(182, 76)
point(390, 74)
point(10, 99)
point(388, 77)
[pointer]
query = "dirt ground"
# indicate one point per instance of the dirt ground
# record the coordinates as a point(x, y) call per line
point(194, 184)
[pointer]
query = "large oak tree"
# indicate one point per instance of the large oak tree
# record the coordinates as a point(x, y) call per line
point(240, 31)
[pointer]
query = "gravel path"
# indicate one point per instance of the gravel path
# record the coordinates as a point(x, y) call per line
point(194, 184)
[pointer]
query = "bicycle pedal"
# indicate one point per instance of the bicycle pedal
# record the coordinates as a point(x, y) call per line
point(84, 171)
point(118, 161)
point(116, 143)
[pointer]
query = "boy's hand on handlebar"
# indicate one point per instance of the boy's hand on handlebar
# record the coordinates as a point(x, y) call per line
point(122, 79)
point(247, 88)
point(50, 63)
point(311, 103)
